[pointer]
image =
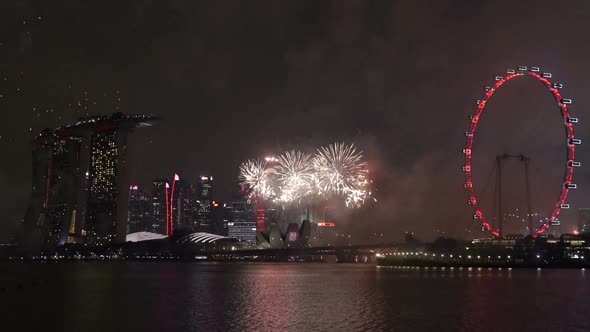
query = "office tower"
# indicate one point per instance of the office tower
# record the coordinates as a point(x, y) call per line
point(240, 221)
point(52, 214)
point(30, 235)
point(159, 205)
point(185, 206)
point(204, 200)
point(139, 217)
point(218, 218)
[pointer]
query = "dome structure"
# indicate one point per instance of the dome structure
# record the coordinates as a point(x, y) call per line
point(201, 237)
point(144, 236)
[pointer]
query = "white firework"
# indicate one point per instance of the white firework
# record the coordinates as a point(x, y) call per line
point(335, 171)
point(339, 168)
point(356, 197)
point(295, 176)
point(257, 177)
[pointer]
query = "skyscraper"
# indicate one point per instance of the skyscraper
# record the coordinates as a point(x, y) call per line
point(204, 200)
point(106, 197)
point(62, 208)
point(80, 182)
point(240, 221)
point(159, 206)
point(30, 235)
point(186, 206)
point(52, 214)
point(139, 217)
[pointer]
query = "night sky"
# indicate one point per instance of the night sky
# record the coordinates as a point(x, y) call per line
point(241, 79)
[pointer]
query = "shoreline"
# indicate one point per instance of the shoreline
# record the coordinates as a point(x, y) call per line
point(430, 264)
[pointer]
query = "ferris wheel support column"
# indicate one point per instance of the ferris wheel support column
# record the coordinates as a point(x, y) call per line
point(526, 161)
point(500, 210)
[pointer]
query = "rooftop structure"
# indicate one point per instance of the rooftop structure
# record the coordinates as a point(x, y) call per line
point(144, 236)
point(201, 237)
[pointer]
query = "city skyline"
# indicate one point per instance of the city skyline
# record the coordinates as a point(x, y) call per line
point(80, 177)
point(308, 165)
point(298, 75)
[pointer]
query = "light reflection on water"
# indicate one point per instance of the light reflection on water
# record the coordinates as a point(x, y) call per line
point(290, 297)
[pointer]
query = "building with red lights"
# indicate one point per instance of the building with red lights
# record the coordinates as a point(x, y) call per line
point(324, 234)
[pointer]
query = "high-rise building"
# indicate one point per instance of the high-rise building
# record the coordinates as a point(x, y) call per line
point(104, 215)
point(80, 183)
point(30, 235)
point(324, 233)
point(185, 206)
point(52, 215)
point(139, 217)
point(584, 220)
point(176, 205)
point(218, 218)
point(240, 221)
point(272, 215)
point(159, 206)
point(204, 201)
point(62, 209)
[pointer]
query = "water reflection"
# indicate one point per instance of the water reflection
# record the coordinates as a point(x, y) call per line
point(290, 297)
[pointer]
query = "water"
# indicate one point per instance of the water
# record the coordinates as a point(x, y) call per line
point(288, 297)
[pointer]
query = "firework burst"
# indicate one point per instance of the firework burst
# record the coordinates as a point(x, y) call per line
point(295, 176)
point(337, 170)
point(257, 177)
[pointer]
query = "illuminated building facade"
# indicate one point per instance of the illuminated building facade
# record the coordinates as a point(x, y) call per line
point(106, 213)
point(242, 231)
point(239, 221)
point(80, 183)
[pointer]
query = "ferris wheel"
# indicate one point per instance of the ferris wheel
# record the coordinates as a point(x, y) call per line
point(570, 141)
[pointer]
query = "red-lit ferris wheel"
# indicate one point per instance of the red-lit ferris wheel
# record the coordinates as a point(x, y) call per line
point(571, 142)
